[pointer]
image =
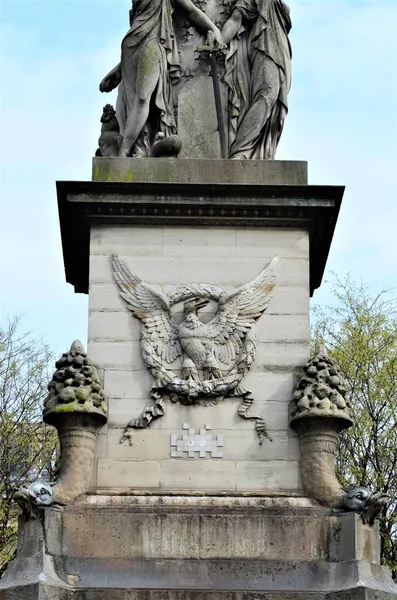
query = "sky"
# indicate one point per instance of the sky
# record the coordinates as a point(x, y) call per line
point(342, 120)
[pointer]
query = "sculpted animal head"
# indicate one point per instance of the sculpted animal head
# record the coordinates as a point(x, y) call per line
point(194, 305)
point(41, 493)
point(108, 113)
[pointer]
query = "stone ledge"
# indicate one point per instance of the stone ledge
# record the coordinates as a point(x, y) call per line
point(193, 170)
point(83, 204)
point(181, 500)
point(45, 592)
point(122, 553)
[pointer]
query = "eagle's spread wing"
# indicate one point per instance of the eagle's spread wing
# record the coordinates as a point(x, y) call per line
point(152, 308)
point(238, 311)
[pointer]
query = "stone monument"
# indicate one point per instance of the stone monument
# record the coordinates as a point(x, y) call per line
point(197, 433)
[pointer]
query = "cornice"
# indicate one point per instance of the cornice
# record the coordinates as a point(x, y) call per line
point(84, 204)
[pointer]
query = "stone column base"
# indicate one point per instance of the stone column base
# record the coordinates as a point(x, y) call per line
point(154, 547)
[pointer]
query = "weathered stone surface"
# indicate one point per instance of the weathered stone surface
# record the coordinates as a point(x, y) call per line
point(361, 594)
point(179, 170)
point(182, 256)
point(198, 205)
point(204, 548)
point(321, 391)
point(197, 119)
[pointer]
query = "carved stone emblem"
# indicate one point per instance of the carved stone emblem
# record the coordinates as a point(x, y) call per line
point(213, 357)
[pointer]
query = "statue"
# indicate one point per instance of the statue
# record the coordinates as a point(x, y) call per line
point(148, 71)
point(258, 74)
point(223, 350)
point(110, 139)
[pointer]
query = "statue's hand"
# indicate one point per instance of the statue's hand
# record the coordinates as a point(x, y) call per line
point(111, 80)
point(214, 39)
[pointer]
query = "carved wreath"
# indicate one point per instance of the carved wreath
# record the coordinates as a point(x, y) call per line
point(215, 356)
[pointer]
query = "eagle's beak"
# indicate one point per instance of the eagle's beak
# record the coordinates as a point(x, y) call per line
point(201, 303)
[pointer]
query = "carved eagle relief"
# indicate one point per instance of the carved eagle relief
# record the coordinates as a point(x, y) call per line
point(215, 356)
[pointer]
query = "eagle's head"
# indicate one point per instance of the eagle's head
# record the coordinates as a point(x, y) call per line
point(194, 305)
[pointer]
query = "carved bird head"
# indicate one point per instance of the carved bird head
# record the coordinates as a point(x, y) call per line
point(194, 305)
point(41, 493)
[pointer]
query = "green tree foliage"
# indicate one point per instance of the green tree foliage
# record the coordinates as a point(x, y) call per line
point(360, 332)
point(27, 446)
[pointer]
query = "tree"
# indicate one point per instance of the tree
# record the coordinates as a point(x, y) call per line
point(27, 446)
point(360, 332)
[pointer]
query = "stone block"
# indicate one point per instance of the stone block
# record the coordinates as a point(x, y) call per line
point(105, 298)
point(351, 539)
point(160, 536)
point(117, 473)
point(133, 241)
point(102, 445)
point(361, 593)
point(294, 452)
point(123, 410)
point(289, 301)
point(280, 355)
point(264, 537)
point(243, 445)
point(254, 243)
point(285, 300)
point(224, 417)
point(113, 327)
point(190, 242)
point(216, 474)
point(187, 547)
point(216, 271)
point(146, 445)
point(116, 355)
point(283, 328)
point(267, 475)
point(128, 383)
point(271, 386)
point(178, 170)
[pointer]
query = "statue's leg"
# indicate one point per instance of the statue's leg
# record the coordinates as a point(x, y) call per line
point(265, 85)
point(147, 76)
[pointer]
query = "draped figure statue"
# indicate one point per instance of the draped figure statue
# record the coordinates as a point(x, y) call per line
point(258, 75)
point(148, 72)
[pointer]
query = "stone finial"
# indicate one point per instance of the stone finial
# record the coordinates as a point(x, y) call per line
point(75, 386)
point(321, 390)
point(77, 347)
point(320, 349)
point(76, 406)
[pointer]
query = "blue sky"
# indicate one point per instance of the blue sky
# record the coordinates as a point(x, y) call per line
point(343, 121)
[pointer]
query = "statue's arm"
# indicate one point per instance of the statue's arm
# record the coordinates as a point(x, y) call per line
point(232, 26)
point(111, 80)
point(197, 17)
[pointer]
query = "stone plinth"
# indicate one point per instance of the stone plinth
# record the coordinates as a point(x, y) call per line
point(179, 222)
point(206, 171)
point(189, 547)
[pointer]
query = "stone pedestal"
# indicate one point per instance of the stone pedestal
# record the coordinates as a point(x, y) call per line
point(168, 521)
point(178, 222)
point(159, 547)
